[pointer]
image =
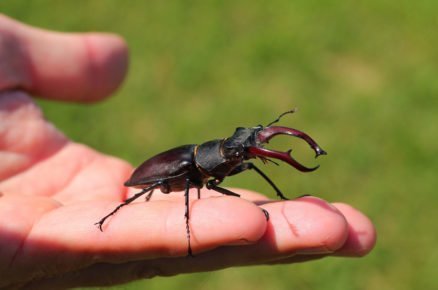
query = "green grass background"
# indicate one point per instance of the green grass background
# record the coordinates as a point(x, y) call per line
point(364, 75)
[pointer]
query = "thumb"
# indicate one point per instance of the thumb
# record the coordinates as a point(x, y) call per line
point(64, 66)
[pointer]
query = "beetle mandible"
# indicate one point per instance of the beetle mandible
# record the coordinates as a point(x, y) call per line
point(193, 166)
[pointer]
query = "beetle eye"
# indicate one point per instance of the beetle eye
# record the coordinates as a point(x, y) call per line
point(232, 152)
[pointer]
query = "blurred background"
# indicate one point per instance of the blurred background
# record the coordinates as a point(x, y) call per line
point(364, 75)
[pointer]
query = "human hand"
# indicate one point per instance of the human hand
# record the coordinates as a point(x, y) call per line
point(53, 190)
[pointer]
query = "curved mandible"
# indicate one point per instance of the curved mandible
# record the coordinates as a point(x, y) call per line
point(268, 133)
point(283, 156)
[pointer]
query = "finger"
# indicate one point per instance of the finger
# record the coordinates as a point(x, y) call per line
point(329, 235)
point(308, 225)
point(361, 238)
point(64, 66)
point(66, 238)
point(361, 233)
point(109, 274)
point(295, 226)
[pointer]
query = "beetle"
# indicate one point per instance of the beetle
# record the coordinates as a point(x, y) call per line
point(208, 164)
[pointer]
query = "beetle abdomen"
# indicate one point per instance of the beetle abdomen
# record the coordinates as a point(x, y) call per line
point(166, 165)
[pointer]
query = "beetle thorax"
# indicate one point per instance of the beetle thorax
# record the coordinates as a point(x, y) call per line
point(214, 160)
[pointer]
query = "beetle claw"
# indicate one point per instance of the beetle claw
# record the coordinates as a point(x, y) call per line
point(99, 226)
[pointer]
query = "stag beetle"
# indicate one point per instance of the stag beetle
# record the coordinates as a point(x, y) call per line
point(193, 166)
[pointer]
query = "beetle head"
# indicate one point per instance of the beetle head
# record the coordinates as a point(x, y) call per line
point(263, 136)
point(234, 147)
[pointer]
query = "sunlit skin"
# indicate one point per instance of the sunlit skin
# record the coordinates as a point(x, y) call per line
point(53, 190)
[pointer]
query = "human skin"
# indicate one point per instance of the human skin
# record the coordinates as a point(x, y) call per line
point(53, 190)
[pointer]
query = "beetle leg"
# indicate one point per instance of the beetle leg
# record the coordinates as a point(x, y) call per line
point(187, 216)
point(212, 184)
point(127, 201)
point(148, 197)
point(249, 165)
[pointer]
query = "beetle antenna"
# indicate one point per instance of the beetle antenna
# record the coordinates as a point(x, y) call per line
point(272, 161)
point(266, 160)
point(281, 115)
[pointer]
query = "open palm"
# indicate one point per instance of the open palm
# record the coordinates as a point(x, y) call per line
point(53, 190)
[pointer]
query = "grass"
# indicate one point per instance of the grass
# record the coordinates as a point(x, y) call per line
point(363, 74)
